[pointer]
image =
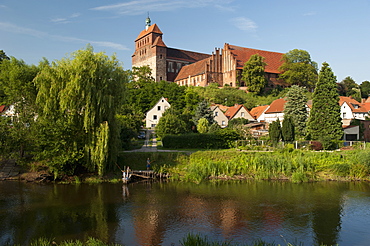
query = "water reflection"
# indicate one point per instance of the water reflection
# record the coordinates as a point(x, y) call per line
point(163, 213)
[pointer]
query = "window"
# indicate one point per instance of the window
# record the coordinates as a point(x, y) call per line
point(344, 115)
point(216, 113)
point(159, 108)
point(154, 117)
point(170, 67)
point(223, 123)
point(160, 56)
point(178, 67)
point(243, 114)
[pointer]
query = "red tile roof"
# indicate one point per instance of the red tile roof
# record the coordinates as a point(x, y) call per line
point(242, 55)
point(192, 70)
point(159, 42)
point(232, 111)
point(257, 111)
point(153, 28)
point(185, 55)
point(353, 104)
point(276, 106)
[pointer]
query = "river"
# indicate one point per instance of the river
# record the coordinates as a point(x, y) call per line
point(164, 213)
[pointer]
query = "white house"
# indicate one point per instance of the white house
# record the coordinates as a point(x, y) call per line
point(219, 116)
point(351, 109)
point(153, 115)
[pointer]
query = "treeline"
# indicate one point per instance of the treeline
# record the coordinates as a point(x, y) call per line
point(75, 114)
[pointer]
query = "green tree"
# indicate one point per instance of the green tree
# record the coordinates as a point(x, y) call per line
point(287, 129)
point(203, 125)
point(18, 90)
point(325, 122)
point(299, 69)
point(296, 109)
point(78, 99)
point(3, 56)
point(170, 124)
point(254, 74)
point(275, 131)
point(350, 88)
point(203, 111)
point(365, 89)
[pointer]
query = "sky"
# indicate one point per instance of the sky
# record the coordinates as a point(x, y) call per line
point(332, 31)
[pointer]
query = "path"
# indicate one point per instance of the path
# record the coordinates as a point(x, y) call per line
point(150, 144)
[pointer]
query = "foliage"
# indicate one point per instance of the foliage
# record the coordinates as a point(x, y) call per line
point(203, 111)
point(325, 121)
point(296, 108)
point(299, 69)
point(297, 165)
point(78, 98)
point(203, 125)
point(346, 87)
point(3, 56)
point(275, 131)
point(237, 121)
point(222, 139)
point(287, 129)
point(254, 74)
point(19, 91)
point(214, 128)
point(365, 89)
point(130, 123)
point(170, 124)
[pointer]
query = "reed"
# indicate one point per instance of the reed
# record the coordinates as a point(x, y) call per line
point(297, 165)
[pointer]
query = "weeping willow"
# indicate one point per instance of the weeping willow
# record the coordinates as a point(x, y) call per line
point(84, 92)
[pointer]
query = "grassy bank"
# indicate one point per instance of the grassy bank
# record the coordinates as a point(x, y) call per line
point(297, 165)
point(189, 240)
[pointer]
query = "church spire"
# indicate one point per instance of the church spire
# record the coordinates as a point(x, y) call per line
point(147, 23)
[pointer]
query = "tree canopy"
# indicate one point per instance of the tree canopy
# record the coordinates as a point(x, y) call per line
point(296, 109)
point(78, 98)
point(325, 121)
point(254, 74)
point(299, 69)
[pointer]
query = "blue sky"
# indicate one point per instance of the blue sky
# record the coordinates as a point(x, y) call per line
point(333, 31)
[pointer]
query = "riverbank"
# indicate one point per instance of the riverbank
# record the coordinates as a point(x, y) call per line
point(285, 164)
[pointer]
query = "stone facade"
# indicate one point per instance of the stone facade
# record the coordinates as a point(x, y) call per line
point(165, 62)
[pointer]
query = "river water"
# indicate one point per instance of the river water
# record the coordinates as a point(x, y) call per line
point(164, 213)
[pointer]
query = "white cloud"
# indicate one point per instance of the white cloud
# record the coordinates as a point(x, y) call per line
point(137, 7)
point(67, 19)
point(244, 24)
point(8, 27)
point(309, 13)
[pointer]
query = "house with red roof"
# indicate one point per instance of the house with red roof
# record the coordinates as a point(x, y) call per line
point(275, 111)
point(238, 111)
point(352, 109)
point(258, 113)
point(219, 116)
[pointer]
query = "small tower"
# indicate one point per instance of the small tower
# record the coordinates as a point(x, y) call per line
point(147, 23)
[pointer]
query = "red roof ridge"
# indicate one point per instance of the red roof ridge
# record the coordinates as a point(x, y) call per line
point(153, 28)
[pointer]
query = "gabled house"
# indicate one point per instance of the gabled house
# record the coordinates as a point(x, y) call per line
point(352, 109)
point(154, 114)
point(219, 116)
point(258, 113)
point(275, 111)
point(238, 111)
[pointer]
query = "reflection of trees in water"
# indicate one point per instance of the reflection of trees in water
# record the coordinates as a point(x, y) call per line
point(254, 209)
point(61, 212)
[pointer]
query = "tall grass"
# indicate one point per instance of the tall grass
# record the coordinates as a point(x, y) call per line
point(297, 165)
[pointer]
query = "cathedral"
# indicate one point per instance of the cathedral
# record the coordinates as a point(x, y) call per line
point(224, 66)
